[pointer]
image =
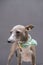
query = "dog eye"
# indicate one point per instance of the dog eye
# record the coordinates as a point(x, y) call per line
point(17, 32)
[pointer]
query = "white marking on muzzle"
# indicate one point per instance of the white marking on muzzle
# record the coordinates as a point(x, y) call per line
point(12, 38)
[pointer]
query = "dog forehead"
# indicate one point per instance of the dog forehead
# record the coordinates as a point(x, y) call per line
point(19, 27)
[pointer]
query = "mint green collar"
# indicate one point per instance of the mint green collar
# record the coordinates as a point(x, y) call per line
point(30, 41)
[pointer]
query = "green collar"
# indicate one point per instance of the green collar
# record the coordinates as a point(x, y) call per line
point(30, 41)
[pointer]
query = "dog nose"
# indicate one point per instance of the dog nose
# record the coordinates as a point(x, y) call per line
point(9, 41)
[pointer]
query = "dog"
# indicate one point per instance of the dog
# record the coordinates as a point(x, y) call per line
point(22, 45)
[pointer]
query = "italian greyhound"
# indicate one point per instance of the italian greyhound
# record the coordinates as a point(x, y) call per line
point(22, 45)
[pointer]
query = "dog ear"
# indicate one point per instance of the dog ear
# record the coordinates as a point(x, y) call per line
point(29, 27)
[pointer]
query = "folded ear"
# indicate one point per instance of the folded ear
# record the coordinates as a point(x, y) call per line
point(29, 27)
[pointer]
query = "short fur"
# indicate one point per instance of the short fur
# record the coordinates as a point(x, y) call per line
point(23, 54)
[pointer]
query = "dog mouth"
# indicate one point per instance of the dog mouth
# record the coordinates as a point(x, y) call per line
point(11, 41)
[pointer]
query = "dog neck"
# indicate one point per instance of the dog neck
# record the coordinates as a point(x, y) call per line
point(25, 44)
point(30, 41)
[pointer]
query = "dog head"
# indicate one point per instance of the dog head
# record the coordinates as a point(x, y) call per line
point(19, 33)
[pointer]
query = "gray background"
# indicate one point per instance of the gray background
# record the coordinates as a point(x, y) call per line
point(24, 12)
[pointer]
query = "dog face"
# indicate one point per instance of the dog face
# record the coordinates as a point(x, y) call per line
point(19, 33)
